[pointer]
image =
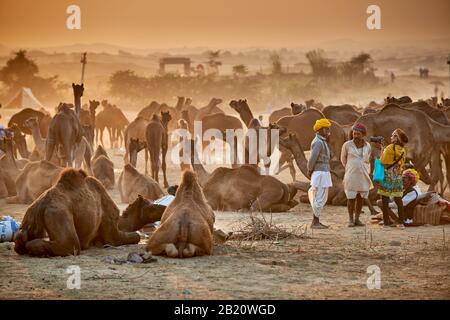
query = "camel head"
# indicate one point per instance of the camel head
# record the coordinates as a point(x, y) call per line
point(31, 122)
point(188, 102)
point(139, 213)
point(239, 105)
point(78, 89)
point(64, 107)
point(216, 101)
point(276, 126)
point(310, 103)
point(165, 117)
point(297, 108)
point(290, 142)
point(104, 103)
point(93, 105)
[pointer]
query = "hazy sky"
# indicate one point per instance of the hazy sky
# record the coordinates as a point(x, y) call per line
point(218, 23)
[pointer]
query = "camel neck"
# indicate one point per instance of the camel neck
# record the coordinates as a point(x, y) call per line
point(246, 116)
point(36, 133)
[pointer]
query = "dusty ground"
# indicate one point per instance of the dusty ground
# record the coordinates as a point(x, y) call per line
point(324, 264)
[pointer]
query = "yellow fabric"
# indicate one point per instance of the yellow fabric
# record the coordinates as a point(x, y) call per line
point(321, 123)
point(387, 158)
point(415, 173)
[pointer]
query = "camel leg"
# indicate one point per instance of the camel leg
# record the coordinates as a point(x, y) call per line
point(111, 139)
point(101, 137)
point(164, 152)
point(146, 161)
point(63, 237)
point(436, 169)
point(49, 149)
point(87, 160)
point(265, 201)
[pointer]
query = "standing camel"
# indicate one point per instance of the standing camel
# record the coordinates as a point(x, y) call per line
point(135, 130)
point(157, 138)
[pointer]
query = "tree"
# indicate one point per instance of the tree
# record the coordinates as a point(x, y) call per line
point(21, 71)
point(275, 59)
point(240, 70)
point(213, 61)
point(319, 64)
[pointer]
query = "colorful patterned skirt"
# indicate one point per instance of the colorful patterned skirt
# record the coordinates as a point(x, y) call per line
point(392, 185)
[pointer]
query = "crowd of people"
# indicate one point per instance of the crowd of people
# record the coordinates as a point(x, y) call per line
point(398, 189)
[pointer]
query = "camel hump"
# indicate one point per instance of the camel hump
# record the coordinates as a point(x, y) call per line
point(72, 178)
point(189, 179)
point(47, 165)
point(129, 167)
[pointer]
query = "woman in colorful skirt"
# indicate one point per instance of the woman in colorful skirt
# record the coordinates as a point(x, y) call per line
point(393, 158)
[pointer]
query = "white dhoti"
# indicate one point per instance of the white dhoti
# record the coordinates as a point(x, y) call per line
point(318, 192)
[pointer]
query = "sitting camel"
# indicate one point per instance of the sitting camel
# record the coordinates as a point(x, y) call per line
point(140, 213)
point(39, 142)
point(187, 224)
point(75, 198)
point(232, 189)
point(157, 138)
point(103, 168)
point(132, 183)
point(34, 180)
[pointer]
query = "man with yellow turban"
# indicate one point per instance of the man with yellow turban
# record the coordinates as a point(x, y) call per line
point(319, 171)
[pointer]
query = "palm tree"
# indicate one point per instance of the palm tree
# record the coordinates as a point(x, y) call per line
point(213, 61)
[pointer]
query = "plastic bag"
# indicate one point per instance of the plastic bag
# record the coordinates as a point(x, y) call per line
point(378, 171)
point(8, 227)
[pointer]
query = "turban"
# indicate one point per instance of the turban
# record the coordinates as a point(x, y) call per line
point(321, 123)
point(401, 135)
point(413, 172)
point(359, 127)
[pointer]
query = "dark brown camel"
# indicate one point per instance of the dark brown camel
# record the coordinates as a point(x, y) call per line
point(157, 138)
point(140, 213)
point(292, 111)
point(20, 117)
point(344, 115)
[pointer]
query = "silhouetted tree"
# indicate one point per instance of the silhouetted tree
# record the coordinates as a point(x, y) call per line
point(275, 60)
point(240, 70)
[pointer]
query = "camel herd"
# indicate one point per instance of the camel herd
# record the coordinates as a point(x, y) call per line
point(72, 207)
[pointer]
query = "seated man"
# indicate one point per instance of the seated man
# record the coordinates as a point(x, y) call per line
point(411, 192)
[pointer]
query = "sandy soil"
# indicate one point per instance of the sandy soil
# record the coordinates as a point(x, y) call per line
point(324, 264)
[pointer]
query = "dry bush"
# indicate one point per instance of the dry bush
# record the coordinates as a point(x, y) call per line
point(258, 227)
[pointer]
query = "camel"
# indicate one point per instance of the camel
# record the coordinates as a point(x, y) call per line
point(280, 113)
point(136, 130)
point(157, 138)
point(401, 100)
point(20, 143)
point(8, 162)
point(65, 130)
point(232, 189)
point(336, 194)
point(20, 117)
point(7, 185)
point(75, 214)
point(112, 119)
point(78, 90)
point(425, 136)
point(147, 112)
point(35, 179)
point(87, 120)
point(211, 108)
point(344, 115)
point(103, 168)
point(302, 124)
point(39, 142)
point(132, 183)
point(156, 108)
point(186, 225)
point(140, 213)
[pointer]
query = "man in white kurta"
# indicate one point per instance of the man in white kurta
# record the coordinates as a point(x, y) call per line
point(319, 171)
point(355, 156)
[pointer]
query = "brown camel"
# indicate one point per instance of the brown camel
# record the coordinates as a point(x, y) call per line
point(401, 100)
point(103, 168)
point(292, 111)
point(232, 189)
point(87, 120)
point(302, 125)
point(157, 138)
point(211, 108)
point(147, 112)
point(20, 117)
point(136, 130)
point(114, 120)
point(8, 162)
point(39, 142)
point(65, 130)
point(7, 185)
point(344, 115)
point(336, 194)
point(140, 213)
point(20, 142)
point(426, 136)
point(132, 183)
point(35, 179)
point(187, 224)
point(76, 213)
